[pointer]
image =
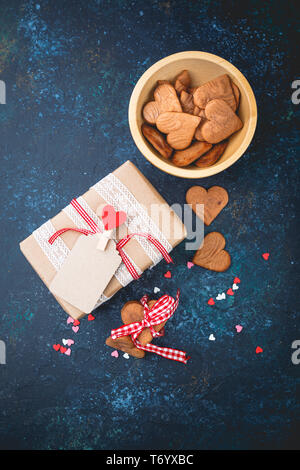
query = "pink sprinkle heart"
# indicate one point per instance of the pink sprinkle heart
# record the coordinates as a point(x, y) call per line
point(236, 280)
point(211, 301)
point(70, 342)
point(238, 328)
point(230, 292)
point(112, 219)
point(75, 328)
point(115, 354)
point(70, 320)
point(266, 256)
point(190, 264)
point(68, 352)
point(168, 275)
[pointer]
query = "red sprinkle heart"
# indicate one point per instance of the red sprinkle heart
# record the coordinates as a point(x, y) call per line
point(258, 350)
point(91, 317)
point(236, 280)
point(63, 349)
point(230, 292)
point(56, 347)
point(112, 219)
point(211, 301)
point(76, 323)
point(168, 275)
point(266, 256)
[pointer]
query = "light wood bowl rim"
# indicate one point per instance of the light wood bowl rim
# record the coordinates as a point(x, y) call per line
point(159, 162)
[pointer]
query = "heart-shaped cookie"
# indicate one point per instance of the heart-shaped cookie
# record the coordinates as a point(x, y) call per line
point(112, 219)
point(126, 345)
point(212, 254)
point(218, 88)
point(165, 99)
point(182, 81)
point(192, 153)
point(214, 200)
point(221, 122)
point(180, 128)
point(212, 156)
point(133, 311)
point(157, 140)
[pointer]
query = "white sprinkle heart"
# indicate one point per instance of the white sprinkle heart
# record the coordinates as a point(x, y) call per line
point(65, 342)
point(126, 356)
point(156, 289)
point(235, 287)
point(221, 296)
point(211, 337)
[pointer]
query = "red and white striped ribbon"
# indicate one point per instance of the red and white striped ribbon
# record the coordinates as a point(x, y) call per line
point(161, 311)
point(120, 244)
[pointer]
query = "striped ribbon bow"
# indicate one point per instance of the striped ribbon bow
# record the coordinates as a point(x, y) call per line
point(119, 245)
point(161, 311)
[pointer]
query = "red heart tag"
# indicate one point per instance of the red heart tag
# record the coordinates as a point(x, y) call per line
point(258, 350)
point(236, 280)
point(91, 317)
point(56, 347)
point(112, 219)
point(230, 292)
point(211, 301)
point(63, 349)
point(266, 256)
point(76, 323)
point(168, 275)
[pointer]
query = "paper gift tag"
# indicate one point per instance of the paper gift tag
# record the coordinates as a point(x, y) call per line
point(86, 272)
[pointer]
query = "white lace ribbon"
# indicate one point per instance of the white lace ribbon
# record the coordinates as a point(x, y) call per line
point(115, 193)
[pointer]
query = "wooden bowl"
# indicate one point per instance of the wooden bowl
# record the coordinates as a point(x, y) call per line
point(202, 68)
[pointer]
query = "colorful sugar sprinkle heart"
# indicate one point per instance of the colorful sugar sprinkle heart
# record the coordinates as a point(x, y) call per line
point(91, 317)
point(63, 349)
point(236, 280)
point(75, 328)
point(266, 256)
point(238, 328)
point(221, 296)
point(190, 264)
point(76, 323)
point(211, 337)
point(115, 354)
point(56, 347)
point(235, 286)
point(70, 320)
point(258, 350)
point(230, 292)
point(126, 356)
point(68, 352)
point(211, 301)
point(70, 342)
point(156, 289)
point(168, 275)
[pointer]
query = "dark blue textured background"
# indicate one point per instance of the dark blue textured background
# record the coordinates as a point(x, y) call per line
point(69, 68)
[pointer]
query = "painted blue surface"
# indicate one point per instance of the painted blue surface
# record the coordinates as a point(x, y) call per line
point(69, 69)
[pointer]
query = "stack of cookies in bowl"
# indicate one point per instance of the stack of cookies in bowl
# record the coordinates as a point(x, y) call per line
point(192, 125)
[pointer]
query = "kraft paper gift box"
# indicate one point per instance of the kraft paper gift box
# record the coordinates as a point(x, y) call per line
point(125, 189)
